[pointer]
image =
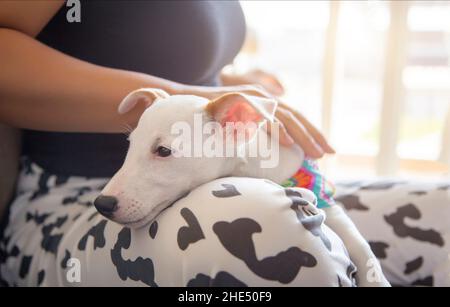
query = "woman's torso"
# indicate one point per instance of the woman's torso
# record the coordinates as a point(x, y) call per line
point(184, 41)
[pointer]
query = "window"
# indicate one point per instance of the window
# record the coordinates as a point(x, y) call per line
point(286, 37)
point(375, 75)
point(426, 79)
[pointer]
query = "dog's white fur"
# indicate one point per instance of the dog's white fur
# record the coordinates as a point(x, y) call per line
point(147, 184)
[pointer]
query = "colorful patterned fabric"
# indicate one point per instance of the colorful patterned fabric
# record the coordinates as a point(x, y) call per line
point(309, 177)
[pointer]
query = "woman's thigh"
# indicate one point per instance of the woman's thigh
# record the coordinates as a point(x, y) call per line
point(230, 232)
point(407, 226)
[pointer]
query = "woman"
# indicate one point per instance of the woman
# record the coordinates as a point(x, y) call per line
point(61, 82)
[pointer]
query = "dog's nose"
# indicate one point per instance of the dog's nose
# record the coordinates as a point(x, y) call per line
point(106, 205)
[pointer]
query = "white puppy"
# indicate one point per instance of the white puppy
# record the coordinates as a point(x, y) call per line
point(153, 176)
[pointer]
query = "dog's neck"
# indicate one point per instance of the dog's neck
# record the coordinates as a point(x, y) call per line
point(290, 159)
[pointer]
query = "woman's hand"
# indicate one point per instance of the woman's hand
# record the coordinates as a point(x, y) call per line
point(295, 128)
point(255, 76)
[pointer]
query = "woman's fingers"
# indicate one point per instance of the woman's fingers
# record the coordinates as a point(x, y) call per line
point(315, 133)
point(306, 134)
point(299, 133)
point(255, 90)
point(268, 80)
point(214, 92)
point(283, 136)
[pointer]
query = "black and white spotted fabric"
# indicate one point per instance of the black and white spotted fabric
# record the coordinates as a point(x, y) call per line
point(407, 225)
point(224, 233)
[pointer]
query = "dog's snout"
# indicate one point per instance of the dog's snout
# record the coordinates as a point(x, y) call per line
point(106, 205)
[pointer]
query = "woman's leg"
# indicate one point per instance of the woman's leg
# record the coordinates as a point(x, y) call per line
point(230, 232)
point(407, 226)
point(47, 207)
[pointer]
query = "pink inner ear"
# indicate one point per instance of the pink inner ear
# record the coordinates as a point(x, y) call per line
point(241, 112)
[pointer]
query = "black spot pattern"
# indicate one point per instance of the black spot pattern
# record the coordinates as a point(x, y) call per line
point(381, 185)
point(236, 237)
point(98, 233)
point(418, 193)
point(444, 187)
point(397, 221)
point(350, 184)
point(222, 279)
point(296, 195)
point(379, 249)
point(27, 166)
point(153, 230)
point(25, 266)
point(311, 219)
point(340, 285)
point(191, 233)
point(65, 260)
point(229, 191)
point(50, 242)
point(138, 270)
point(15, 251)
point(39, 219)
point(75, 199)
point(351, 202)
point(41, 276)
point(61, 179)
point(43, 186)
point(4, 253)
point(93, 215)
point(426, 282)
point(351, 273)
point(413, 265)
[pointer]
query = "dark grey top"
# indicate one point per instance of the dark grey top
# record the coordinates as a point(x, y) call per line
point(184, 41)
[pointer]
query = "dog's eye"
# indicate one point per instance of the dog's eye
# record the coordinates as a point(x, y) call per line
point(163, 151)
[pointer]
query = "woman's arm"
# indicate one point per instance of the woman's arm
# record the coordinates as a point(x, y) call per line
point(43, 89)
point(28, 16)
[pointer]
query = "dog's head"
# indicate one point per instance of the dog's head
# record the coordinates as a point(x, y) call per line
point(155, 174)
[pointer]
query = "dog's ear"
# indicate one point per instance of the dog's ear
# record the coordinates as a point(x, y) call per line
point(143, 95)
point(238, 107)
point(245, 113)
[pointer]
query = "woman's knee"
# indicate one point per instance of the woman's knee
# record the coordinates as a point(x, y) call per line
point(232, 231)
